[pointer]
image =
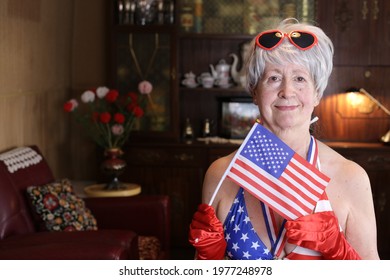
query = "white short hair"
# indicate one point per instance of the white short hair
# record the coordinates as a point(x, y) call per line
point(318, 60)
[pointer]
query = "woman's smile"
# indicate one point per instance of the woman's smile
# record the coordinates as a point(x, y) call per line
point(286, 107)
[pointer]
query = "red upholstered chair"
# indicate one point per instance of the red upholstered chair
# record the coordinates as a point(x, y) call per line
point(119, 220)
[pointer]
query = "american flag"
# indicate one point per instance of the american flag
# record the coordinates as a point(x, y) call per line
point(270, 170)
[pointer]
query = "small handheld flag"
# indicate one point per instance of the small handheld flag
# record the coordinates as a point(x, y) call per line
point(271, 171)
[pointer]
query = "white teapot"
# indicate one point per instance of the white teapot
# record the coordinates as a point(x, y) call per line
point(238, 75)
point(221, 70)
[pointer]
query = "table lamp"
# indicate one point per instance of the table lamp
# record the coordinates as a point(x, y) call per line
point(386, 137)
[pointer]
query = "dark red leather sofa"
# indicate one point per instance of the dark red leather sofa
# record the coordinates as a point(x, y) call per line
point(120, 222)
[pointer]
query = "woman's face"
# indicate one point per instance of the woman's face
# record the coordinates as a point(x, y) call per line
point(286, 96)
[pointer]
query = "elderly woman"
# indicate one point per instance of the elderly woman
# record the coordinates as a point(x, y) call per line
point(287, 73)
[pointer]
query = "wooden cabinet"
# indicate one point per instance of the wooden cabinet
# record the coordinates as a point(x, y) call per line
point(375, 159)
point(175, 170)
point(184, 36)
point(225, 27)
point(145, 49)
point(200, 103)
point(359, 30)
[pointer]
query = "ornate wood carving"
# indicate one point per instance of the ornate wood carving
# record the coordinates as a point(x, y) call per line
point(343, 16)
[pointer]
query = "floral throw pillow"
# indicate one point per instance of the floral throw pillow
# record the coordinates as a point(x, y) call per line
point(59, 208)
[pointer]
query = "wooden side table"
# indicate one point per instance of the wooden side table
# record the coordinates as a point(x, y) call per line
point(98, 190)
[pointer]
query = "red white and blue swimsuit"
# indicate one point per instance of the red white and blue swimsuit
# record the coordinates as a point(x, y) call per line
point(243, 243)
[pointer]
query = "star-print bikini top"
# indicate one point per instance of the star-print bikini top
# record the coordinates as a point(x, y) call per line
point(241, 238)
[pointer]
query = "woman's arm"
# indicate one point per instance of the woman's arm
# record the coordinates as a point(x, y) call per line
point(360, 227)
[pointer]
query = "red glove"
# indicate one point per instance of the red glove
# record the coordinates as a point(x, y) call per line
point(206, 234)
point(321, 232)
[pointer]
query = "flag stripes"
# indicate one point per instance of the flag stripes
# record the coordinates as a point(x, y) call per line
point(292, 195)
point(264, 189)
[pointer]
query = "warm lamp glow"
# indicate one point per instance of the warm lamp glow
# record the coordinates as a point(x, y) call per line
point(360, 102)
point(364, 102)
point(354, 99)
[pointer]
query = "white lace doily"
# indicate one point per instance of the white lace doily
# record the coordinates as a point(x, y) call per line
point(20, 158)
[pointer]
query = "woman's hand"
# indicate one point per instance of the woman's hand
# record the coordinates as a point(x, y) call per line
point(321, 232)
point(206, 234)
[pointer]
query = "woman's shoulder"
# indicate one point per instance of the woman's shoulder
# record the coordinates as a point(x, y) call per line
point(338, 167)
point(214, 174)
point(221, 164)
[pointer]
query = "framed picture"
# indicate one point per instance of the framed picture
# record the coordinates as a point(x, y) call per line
point(236, 116)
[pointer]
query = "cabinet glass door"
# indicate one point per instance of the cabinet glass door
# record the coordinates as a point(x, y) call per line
point(241, 16)
point(146, 56)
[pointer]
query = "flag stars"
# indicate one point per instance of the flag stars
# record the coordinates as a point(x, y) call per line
point(266, 156)
point(235, 246)
point(255, 245)
point(244, 237)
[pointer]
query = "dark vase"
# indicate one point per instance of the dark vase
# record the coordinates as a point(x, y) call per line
point(113, 166)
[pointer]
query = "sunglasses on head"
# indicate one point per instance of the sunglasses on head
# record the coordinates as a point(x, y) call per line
point(270, 39)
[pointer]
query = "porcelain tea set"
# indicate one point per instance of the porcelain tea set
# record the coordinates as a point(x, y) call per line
point(222, 75)
point(219, 77)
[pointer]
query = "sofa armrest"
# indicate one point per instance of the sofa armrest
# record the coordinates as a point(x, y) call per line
point(62, 245)
point(65, 251)
point(147, 215)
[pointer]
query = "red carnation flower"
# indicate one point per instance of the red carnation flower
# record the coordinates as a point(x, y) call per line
point(68, 107)
point(71, 105)
point(112, 96)
point(119, 118)
point(138, 111)
point(133, 97)
point(105, 117)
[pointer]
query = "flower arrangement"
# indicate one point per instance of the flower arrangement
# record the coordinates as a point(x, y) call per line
point(107, 116)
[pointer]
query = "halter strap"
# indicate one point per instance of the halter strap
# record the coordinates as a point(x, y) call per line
point(277, 236)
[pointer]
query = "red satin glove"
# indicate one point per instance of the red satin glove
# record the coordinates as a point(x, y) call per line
point(206, 234)
point(321, 232)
